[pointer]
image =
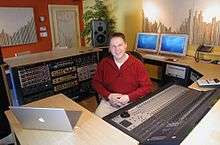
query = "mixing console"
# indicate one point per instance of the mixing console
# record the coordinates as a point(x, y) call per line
point(150, 107)
point(165, 117)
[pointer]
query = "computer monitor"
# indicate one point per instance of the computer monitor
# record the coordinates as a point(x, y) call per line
point(147, 42)
point(174, 44)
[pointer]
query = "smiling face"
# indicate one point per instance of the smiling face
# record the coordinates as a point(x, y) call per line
point(118, 47)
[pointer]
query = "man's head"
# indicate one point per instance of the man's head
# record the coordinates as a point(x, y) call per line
point(118, 45)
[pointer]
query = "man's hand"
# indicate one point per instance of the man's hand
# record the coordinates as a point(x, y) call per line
point(113, 99)
point(124, 99)
point(117, 100)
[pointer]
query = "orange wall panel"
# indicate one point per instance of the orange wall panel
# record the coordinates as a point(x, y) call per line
point(40, 8)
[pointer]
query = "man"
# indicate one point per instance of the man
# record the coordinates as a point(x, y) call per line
point(120, 78)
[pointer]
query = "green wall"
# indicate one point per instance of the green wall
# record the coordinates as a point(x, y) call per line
point(129, 19)
point(128, 14)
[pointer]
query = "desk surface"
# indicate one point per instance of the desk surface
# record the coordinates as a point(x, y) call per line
point(209, 71)
point(207, 132)
point(90, 130)
point(46, 56)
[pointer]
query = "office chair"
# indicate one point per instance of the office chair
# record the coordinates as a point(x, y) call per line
point(135, 54)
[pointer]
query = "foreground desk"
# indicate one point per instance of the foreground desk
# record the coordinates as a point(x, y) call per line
point(90, 130)
point(207, 132)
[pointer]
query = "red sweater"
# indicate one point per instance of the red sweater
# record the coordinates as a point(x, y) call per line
point(131, 79)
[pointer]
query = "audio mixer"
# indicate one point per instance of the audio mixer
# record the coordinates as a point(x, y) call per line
point(164, 118)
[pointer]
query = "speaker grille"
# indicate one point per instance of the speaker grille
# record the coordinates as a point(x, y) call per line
point(99, 33)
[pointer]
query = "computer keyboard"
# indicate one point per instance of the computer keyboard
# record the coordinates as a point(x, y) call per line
point(154, 57)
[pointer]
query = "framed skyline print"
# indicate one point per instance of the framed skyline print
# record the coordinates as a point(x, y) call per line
point(200, 19)
point(17, 26)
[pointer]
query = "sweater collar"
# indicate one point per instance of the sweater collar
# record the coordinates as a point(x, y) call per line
point(126, 64)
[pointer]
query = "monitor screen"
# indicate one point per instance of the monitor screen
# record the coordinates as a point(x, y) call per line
point(175, 44)
point(147, 41)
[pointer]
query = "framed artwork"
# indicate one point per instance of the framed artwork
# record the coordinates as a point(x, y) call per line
point(200, 19)
point(17, 26)
point(64, 23)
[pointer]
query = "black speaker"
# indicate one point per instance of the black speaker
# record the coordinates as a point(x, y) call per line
point(99, 33)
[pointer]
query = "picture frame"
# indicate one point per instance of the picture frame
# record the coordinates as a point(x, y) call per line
point(17, 26)
point(64, 23)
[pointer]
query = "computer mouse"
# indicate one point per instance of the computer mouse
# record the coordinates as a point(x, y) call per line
point(125, 114)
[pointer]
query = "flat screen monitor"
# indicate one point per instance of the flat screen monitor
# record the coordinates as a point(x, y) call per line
point(174, 44)
point(147, 42)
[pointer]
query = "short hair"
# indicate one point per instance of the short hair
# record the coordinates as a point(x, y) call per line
point(118, 34)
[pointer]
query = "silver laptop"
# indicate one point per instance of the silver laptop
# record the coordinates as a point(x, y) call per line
point(46, 118)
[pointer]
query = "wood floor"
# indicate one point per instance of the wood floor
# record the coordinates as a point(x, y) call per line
point(89, 103)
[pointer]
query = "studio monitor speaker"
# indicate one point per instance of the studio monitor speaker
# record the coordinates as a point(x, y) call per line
point(99, 33)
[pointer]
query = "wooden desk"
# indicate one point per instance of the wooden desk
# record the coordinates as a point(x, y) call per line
point(207, 132)
point(209, 71)
point(90, 130)
point(47, 56)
